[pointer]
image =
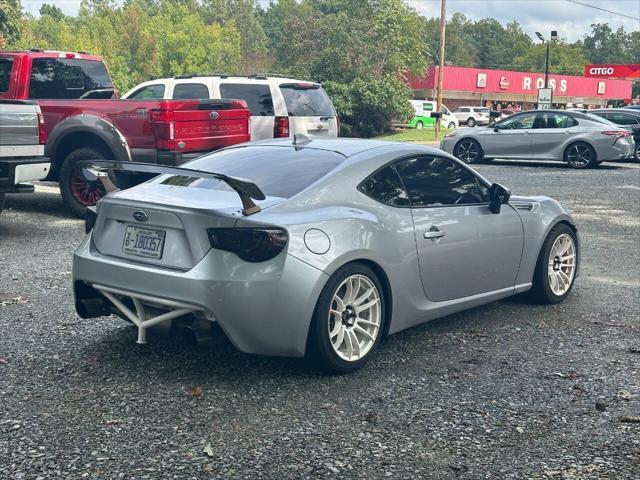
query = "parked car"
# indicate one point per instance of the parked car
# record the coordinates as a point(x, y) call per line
point(280, 107)
point(322, 248)
point(507, 112)
point(22, 138)
point(472, 116)
point(422, 118)
point(624, 118)
point(580, 140)
point(84, 121)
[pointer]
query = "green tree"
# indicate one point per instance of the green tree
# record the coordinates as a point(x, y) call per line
point(52, 11)
point(564, 58)
point(604, 45)
point(10, 21)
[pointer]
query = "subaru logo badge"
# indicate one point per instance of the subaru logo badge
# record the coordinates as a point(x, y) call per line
point(214, 115)
point(141, 216)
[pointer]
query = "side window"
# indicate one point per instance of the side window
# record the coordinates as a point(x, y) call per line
point(427, 107)
point(6, 66)
point(445, 110)
point(556, 120)
point(385, 186)
point(257, 96)
point(69, 78)
point(622, 118)
point(463, 110)
point(190, 91)
point(518, 122)
point(149, 92)
point(438, 181)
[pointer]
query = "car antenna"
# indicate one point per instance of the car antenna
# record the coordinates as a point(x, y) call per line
point(300, 138)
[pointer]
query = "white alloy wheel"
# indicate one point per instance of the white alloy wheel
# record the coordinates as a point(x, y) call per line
point(355, 317)
point(562, 264)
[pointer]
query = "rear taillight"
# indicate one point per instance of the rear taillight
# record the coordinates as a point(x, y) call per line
point(616, 133)
point(250, 244)
point(163, 125)
point(42, 132)
point(281, 127)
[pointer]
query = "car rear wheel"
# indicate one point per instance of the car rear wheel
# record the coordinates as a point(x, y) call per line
point(348, 321)
point(419, 126)
point(471, 122)
point(469, 151)
point(451, 126)
point(580, 155)
point(80, 188)
point(556, 266)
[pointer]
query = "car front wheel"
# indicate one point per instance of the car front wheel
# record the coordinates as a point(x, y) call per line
point(557, 265)
point(419, 126)
point(451, 126)
point(348, 321)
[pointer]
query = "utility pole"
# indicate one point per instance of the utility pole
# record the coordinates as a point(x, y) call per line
point(443, 24)
point(546, 68)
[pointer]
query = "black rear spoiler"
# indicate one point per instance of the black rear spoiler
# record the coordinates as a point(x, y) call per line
point(246, 189)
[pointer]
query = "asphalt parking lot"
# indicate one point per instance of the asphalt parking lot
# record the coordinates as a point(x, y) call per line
point(506, 391)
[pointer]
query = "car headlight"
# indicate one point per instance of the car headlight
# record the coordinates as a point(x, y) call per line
point(450, 134)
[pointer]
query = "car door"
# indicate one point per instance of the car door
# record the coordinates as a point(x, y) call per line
point(552, 131)
point(510, 138)
point(259, 98)
point(463, 249)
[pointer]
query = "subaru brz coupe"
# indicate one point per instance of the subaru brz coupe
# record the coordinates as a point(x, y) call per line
point(316, 247)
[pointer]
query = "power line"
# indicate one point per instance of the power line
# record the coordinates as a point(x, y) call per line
point(603, 9)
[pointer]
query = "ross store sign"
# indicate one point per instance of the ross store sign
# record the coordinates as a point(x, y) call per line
point(612, 71)
point(504, 83)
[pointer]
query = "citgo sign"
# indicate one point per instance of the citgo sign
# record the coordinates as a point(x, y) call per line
point(612, 71)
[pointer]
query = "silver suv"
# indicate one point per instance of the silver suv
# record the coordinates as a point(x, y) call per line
point(472, 116)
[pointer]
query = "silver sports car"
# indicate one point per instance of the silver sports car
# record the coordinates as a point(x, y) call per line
point(319, 247)
point(581, 140)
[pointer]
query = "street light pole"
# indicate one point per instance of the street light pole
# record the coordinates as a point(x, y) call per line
point(443, 24)
point(546, 69)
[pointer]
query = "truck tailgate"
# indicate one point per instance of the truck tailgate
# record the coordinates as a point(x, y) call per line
point(206, 125)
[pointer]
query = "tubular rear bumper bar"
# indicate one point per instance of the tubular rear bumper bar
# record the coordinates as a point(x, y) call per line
point(139, 317)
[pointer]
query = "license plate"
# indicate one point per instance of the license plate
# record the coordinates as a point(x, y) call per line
point(144, 242)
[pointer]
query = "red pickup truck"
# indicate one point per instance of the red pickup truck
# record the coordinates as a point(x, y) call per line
point(85, 121)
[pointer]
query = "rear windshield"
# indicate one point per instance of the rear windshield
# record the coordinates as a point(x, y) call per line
point(6, 65)
point(69, 78)
point(306, 102)
point(278, 171)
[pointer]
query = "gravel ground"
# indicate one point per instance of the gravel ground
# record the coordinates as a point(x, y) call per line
point(509, 390)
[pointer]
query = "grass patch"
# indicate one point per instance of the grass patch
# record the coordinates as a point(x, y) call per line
point(414, 135)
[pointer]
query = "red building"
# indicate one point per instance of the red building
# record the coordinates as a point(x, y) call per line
point(499, 88)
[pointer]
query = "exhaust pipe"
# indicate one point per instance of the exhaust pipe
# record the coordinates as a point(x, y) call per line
point(92, 307)
point(198, 333)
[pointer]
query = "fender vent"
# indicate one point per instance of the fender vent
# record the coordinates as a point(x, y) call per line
point(526, 206)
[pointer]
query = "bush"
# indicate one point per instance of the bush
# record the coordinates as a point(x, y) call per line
point(367, 105)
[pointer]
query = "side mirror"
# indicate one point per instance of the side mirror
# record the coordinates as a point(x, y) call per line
point(498, 195)
point(496, 129)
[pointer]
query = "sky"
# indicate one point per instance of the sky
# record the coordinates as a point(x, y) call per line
point(572, 21)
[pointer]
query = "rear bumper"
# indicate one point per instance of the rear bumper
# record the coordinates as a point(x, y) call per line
point(174, 159)
point(13, 171)
point(618, 151)
point(263, 308)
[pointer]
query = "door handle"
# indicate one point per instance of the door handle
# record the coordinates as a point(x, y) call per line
point(434, 233)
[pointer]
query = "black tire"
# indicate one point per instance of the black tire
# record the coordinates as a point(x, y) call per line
point(451, 126)
point(469, 151)
point(636, 152)
point(319, 348)
point(580, 155)
point(419, 126)
point(541, 290)
point(471, 122)
point(71, 181)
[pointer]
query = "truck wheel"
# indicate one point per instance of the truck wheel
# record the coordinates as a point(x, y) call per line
point(80, 189)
